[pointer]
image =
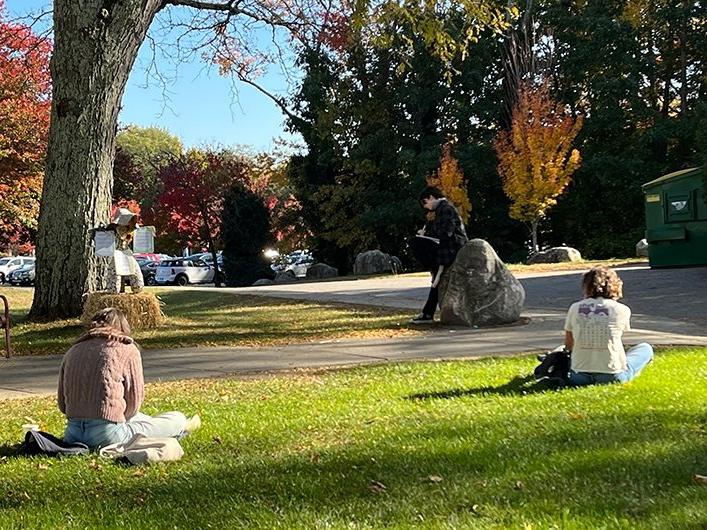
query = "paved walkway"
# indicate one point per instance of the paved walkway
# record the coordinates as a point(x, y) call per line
point(24, 376)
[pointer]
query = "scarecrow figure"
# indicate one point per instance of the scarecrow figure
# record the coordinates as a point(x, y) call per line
point(115, 240)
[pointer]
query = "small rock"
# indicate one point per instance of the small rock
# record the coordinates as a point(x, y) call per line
point(321, 270)
point(556, 255)
point(642, 249)
point(285, 277)
point(376, 262)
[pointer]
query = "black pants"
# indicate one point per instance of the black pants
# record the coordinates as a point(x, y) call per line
point(432, 299)
point(425, 251)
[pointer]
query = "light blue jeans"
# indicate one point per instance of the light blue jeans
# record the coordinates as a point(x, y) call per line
point(99, 433)
point(636, 359)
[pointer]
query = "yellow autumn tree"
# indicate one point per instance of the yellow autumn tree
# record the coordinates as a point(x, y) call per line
point(536, 158)
point(450, 179)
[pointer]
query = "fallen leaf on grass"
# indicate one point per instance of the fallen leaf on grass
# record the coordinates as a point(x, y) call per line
point(519, 485)
point(377, 487)
point(139, 472)
point(700, 479)
point(435, 479)
point(93, 464)
point(217, 440)
point(42, 466)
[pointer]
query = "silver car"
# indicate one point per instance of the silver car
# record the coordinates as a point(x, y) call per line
point(9, 264)
point(22, 276)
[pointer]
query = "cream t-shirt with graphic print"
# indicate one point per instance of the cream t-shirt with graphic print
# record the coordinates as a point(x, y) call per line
point(597, 325)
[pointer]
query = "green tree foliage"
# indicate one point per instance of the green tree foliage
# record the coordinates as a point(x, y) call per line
point(245, 232)
point(374, 118)
point(141, 153)
point(636, 70)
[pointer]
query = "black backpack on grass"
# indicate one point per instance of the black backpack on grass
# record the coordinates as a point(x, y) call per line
point(554, 366)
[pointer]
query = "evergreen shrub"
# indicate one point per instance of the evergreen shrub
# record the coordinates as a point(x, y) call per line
point(245, 231)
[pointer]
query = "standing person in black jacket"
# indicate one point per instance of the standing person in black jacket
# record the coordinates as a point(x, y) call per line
point(436, 245)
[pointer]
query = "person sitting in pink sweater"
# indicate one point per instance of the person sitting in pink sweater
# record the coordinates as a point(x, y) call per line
point(101, 388)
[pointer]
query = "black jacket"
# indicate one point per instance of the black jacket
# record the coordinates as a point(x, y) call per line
point(447, 226)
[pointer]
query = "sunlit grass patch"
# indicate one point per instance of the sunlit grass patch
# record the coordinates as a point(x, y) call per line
point(217, 318)
point(429, 445)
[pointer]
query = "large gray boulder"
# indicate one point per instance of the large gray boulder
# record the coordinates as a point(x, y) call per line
point(375, 262)
point(320, 271)
point(556, 255)
point(478, 289)
point(642, 249)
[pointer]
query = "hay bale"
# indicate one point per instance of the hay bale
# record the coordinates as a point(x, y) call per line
point(141, 309)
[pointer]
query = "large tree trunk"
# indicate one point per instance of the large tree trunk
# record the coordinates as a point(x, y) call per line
point(96, 43)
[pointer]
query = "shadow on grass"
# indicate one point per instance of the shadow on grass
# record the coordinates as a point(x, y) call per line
point(388, 484)
point(518, 386)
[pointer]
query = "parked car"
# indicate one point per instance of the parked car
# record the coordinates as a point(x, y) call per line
point(298, 262)
point(207, 258)
point(148, 267)
point(9, 264)
point(183, 271)
point(22, 276)
point(149, 255)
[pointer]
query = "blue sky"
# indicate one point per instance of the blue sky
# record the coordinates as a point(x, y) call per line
point(201, 108)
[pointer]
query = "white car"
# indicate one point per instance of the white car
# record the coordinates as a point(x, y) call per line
point(183, 271)
point(7, 265)
point(298, 262)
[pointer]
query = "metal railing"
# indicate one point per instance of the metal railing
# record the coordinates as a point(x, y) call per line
point(5, 323)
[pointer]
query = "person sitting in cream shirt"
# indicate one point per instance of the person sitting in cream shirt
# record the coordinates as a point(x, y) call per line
point(594, 330)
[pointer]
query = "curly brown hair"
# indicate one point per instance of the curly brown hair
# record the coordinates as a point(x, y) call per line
point(602, 282)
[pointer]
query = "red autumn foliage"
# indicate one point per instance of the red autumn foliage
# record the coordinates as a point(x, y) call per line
point(188, 211)
point(25, 102)
point(336, 30)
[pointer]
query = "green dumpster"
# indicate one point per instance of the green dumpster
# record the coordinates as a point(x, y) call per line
point(676, 219)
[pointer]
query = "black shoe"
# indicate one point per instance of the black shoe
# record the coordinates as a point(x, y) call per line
point(422, 319)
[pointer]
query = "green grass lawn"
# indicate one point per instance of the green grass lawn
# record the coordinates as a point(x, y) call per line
point(217, 318)
point(429, 445)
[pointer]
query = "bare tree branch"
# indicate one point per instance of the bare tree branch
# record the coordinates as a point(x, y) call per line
point(210, 6)
point(280, 102)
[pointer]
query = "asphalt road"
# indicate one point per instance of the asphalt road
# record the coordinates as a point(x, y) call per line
point(671, 295)
point(677, 294)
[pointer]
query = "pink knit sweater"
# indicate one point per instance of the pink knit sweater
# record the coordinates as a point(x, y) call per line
point(101, 377)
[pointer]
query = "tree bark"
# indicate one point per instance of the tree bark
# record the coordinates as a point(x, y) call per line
point(96, 43)
point(534, 235)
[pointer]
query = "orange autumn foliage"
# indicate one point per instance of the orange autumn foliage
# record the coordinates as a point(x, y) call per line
point(536, 158)
point(450, 179)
